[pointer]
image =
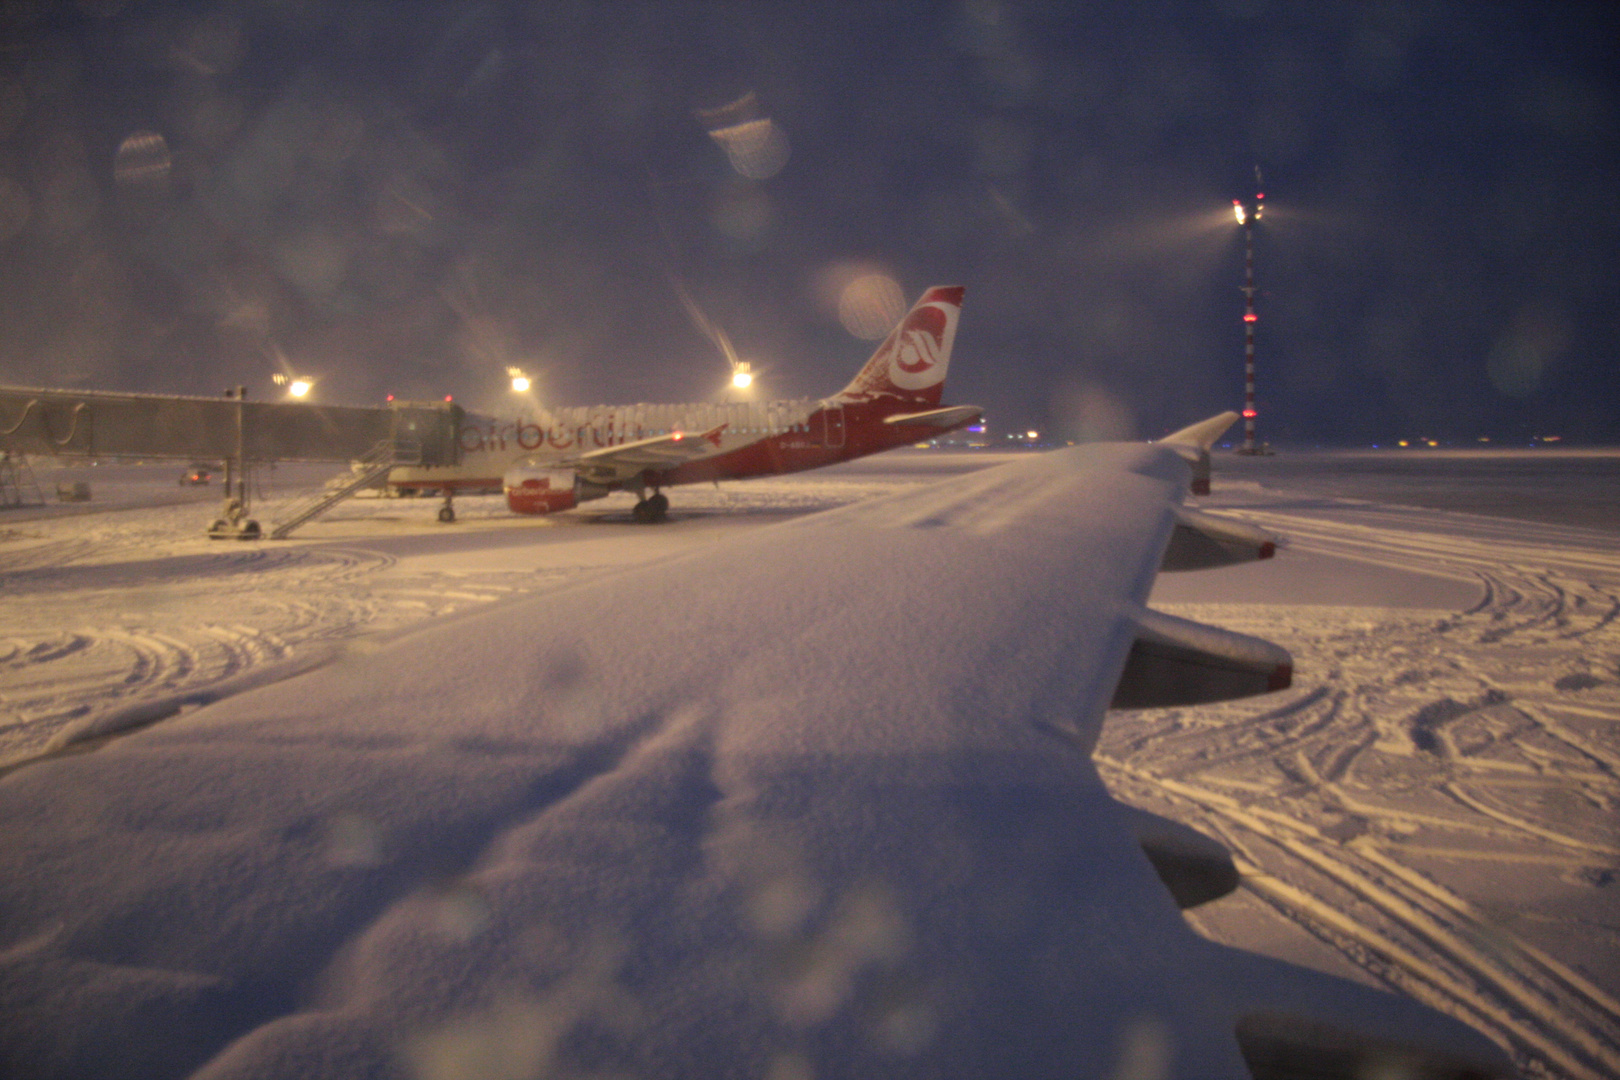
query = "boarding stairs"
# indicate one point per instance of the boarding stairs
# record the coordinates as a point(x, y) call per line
point(368, 471)
point(17, 484)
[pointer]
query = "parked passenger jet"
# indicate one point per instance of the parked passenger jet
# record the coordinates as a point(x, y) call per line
point(566, 456)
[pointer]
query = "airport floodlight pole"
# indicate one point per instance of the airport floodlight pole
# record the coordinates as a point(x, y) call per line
point(1247, 216)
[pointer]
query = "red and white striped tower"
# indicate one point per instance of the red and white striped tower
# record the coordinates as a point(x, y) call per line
point(1247, 216)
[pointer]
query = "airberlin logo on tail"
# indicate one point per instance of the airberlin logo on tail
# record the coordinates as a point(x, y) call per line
point(919, 349)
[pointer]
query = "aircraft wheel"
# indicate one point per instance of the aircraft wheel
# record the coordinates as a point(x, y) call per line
point(659, 506)
point(447, 514)
point(642, 512)
point(248, 531)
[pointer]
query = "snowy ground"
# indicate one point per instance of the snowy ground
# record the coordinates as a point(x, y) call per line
point(1432, 806)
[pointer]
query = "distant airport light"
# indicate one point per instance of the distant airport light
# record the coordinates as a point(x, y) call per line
point(742, 378)
point(299, 387)
point(1249, 414)
point(449, 397)
point(1251, 317)
point(1032, 434)
point(1237, 208)
point(520, 384)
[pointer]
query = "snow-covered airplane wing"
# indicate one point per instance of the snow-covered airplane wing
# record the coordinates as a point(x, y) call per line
point(616, 464)
point(816, 802)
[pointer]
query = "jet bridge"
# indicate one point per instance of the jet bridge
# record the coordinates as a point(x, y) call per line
point(94, 423)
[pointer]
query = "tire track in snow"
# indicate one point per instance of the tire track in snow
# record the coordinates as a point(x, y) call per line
point(1457, 962)
point(1475, 739)
point(156, 609)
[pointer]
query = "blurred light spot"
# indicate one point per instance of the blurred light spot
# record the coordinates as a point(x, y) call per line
point(870, 923)
point(1087, 413)
point(143, 161)
point(213, 47)
point(1146, 1050)
point(819, 978)
point(989, 31)
point(871, 305)
point(756, 147)
point(461, 911)
point(790, 1067)
point(742, 212)
point(908, 1027)
point(15, 208)
point(515, 1041)
point(1514, 367)
point(518, 1038)
point(779, 907)
point(1519, 356)
point(353, 841)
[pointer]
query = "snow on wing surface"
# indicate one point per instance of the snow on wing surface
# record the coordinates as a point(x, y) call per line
point(815, 802)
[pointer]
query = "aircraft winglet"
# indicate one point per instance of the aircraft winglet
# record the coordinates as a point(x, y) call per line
point(1198, 438)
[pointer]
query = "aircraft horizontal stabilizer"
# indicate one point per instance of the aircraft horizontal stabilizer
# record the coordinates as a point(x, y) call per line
point(619, 463)
point(1201, 541)
point(943, 419)
point(1180, 662)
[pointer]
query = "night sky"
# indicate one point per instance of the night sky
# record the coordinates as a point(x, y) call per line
point(402, 197)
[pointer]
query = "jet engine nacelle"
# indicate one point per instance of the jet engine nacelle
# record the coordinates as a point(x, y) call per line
point(534, 490)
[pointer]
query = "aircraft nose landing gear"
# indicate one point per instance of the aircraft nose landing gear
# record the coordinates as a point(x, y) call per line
point(447, 512)
point(651, 509)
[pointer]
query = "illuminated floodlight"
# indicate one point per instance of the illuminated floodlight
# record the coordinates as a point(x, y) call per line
point(1237, 208)
point(520, 380)
point(741, 377)
point(299, 387)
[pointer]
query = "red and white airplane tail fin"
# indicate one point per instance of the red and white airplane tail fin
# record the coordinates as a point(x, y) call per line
point(911, 362)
